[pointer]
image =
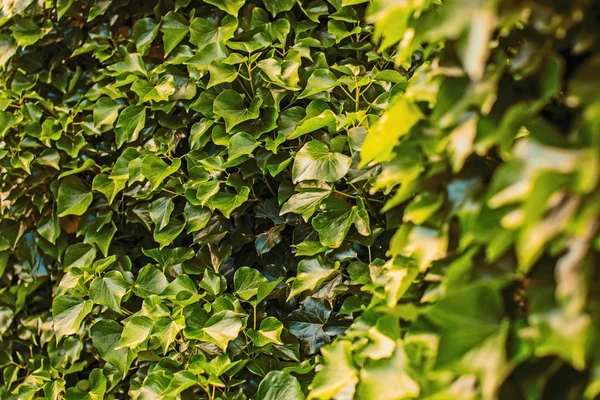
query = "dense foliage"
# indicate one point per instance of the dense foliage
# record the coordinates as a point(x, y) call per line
point(280, 199)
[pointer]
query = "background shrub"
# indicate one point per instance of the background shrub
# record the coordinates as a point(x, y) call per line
point(198, 197)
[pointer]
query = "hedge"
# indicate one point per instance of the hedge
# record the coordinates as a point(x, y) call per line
point(286, 199)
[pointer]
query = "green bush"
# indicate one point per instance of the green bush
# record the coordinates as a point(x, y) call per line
point(202, 199)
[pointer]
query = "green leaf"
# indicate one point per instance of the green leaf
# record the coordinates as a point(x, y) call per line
point(105, 336)
point(135, 332)
point(166, 331)
point(399, 119)
point(229, 6)
point(169, 233)
point(311, 272)
point(241, 144)
point(106, 111)
point(219, 329)
point(174, 28)
point(277, 6)
point(79, 256)
point(49, 228)
point(339, 374)
point(23, 161)
point(63, 6)
point(337, 217)
point(109, 290)
point(283, 74)
point(102, 237)
point(98, 9)
point(205, 191)
point(26, 32)
point(377, 374)
point(132, 64)
point(68, 313)
point(320, 80)
point(246, 282)
point(170, 257)
point(156, 170)
point(318, 116)
point(150, 281)
point(96, 390)
point(197, 217)
point(8, 48)
point(220, 72)
point(146, 91)
point(314, 161)
point(132, 120)
point(74, 197)
point(204, 31)
point(306, 202)
point(109, 187)
point(144, 32)
point(160, 211)
point(269, 332)
point(230, 106)
point(226, 202)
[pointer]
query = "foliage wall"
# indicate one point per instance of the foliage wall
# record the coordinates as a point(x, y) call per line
point(280, 199)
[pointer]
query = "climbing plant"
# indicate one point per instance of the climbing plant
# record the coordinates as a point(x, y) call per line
point(275, 199)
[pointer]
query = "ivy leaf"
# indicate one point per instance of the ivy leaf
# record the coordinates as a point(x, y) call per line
point(220, 329)
point(204, 31)
point(306, 202)
point(320, 80)
point(23, 161)
point(197, 217)
point(105, 336)
point(166, 330)
point(97, 388)
point(277, 6)
point(241, 144)
point(283, 74)
point(109, 187)
point(338, 376)
point(230, 106)
point(132, 120)
point(79, 256)
point(74, 197)
point(167, 235)
point(49, 228)
point(382, 138)
point(174, 28)
point(144, 32)
point(135, 332)
point(150, 281)
point(132, 64)
point(229, 6)
point(146, 91)
point(314, 161)
point(109, 290)
point(337, 217)
point(68, 313)
point(318, 116)
point(156, 170)
point(308, 324)
point(160, 211)
point(268, 332)
point(311, 272)
point(169, 257)
point(102, 237)
point(226, 202)
point(376, 374)
point(267, 240)
point(106, 111)
point(246, 282)
point(221, 73)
